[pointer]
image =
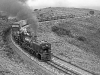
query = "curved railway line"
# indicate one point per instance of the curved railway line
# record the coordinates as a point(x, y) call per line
point(40, 64)
point(60, 68)
point(66, 69)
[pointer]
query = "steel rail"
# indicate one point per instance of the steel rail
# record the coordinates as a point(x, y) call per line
point(12, 42)
point(91, 73)
point(58, 67)
point(65, 70)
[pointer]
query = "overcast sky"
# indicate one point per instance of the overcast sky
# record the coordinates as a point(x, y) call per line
point(95, 4)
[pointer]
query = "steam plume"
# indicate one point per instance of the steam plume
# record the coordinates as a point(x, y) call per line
point(20, 10)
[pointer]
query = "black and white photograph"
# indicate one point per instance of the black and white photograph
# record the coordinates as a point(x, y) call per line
point(49, 37)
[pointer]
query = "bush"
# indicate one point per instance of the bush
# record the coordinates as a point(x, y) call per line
point(63, 17)
point(5, 33)
point(81, 38)
point(71, 16)
point(91, 12)
point(35, 9)
point(61, 31)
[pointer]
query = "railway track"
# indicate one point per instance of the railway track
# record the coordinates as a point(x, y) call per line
point(57, 63)
point(72, 68)
point(65, 70)
point(56, 68)
point(59, 68)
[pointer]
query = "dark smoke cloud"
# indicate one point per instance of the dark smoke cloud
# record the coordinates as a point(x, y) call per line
point(20, 10)
point(12, 7)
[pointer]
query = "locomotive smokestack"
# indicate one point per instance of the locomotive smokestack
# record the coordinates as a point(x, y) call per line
point(19, 10)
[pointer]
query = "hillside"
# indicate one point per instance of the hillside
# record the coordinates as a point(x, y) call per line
point(11, 63)
point(74, 34)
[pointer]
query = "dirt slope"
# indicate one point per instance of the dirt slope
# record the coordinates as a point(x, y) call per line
point(74, 39)
point(74, 34)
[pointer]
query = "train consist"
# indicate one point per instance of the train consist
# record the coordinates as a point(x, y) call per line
point(24, 39)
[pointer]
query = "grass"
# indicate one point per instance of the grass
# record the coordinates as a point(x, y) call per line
point(7, 54)
point(61, 31)
point(76, 39)
point(13, 62)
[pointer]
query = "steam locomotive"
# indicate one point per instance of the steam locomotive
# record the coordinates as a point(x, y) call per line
point(24, 40)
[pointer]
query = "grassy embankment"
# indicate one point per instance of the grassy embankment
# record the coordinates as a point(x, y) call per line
point(76, 39)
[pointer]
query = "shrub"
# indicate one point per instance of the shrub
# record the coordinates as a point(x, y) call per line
point(35, 9)
point(5, 33)
point(91, 12)
point(81, 38)
point(62, 17)
point(61, 31)
point(71, 16)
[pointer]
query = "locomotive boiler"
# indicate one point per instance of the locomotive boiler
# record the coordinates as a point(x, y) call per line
point(41, 51)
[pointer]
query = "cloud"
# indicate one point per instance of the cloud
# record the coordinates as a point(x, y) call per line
point(45, 3)
point(82, 3)
point(64, 3)
point(19, 10)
